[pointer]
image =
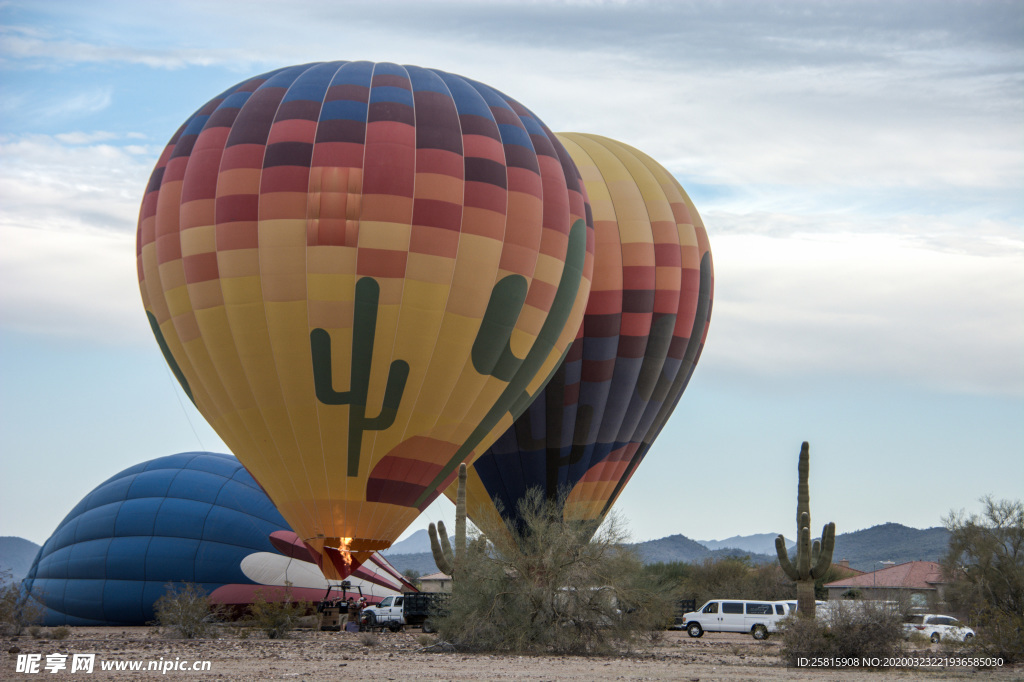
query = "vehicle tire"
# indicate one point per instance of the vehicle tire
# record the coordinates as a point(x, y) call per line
point(694, 630)
point(427, 627)
point(935, 638)
point(394, 626)
point(370, 619)
point(759, 632)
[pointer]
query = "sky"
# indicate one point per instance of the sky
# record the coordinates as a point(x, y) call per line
point(859, 167)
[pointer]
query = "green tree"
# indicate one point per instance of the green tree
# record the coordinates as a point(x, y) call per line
point(278, 617)
point(985, 565)
point(412, 575)
point(185, 611)
point(17, 609)
point(549, 585)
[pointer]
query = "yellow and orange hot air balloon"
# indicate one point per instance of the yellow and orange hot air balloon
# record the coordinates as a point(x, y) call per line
point(361, 274)
point(646, 321)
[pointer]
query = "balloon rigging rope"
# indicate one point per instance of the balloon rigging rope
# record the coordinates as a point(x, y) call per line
point(174, 386)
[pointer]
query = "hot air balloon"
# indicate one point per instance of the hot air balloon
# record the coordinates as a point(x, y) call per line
point(191, 517)
point(361, 274)
point(585, 434)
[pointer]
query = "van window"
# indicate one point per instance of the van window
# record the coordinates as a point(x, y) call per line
point(386, 601)
point(711, 608)
point(759, 609)
point(398, 601)
point(780, 609)
point(732, 607)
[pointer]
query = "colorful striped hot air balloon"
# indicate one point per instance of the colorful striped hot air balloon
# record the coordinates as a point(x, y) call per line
point(646, 320)
point(361, 274)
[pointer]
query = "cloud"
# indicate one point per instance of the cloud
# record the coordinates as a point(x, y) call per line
point(72, 181)
point(869, 305)
point(72, 284)
point(858, 164)
point(68, 228)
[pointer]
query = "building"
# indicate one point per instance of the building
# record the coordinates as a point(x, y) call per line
point(916, 583)
point(436, 582)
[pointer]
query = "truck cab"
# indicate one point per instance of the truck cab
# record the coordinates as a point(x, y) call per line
point(389, 612)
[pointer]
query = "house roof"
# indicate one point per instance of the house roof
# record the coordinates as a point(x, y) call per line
point(913, 575)
point(435, 576)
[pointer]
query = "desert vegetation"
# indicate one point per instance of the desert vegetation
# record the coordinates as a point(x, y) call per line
point(17, 611)
point(851, 630)
point(551, 586)
point(985, 565)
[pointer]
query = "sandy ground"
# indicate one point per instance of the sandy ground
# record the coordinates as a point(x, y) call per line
point(314, 655)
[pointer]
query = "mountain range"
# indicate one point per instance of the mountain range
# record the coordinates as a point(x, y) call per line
point(16, 556)
point(865, 549)
point(761, 543)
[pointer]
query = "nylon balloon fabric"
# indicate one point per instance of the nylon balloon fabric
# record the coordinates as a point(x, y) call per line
point(646, 321)
point(361, 273)
point(195, 517)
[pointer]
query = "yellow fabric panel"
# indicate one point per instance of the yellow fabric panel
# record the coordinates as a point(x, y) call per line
point(423, 269)
point(330, 287)
point(200, 239)
point(382, 235)
point(238, 263)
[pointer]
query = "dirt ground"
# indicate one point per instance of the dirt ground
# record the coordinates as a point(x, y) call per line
point(314, 655)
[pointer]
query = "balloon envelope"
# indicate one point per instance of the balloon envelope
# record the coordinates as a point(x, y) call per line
point(646, 320)
point(361, 273)
point(195, 517)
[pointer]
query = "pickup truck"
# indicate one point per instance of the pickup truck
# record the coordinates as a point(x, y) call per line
point(410, 608)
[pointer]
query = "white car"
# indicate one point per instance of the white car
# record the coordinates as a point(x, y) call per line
point(735, 615)
point(937, 627)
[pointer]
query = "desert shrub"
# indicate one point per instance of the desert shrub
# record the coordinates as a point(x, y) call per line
point(60, 632)
point(425, 639)
point(368, 638)
point(999, 634)
point(863, 629)
point(985, 563)
point(17, 609)
point(731, 577)
point(184, 610)
point(278, 618)
point(549, 585)
point(36, 632)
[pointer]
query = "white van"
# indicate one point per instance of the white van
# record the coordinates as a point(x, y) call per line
point(736, 615)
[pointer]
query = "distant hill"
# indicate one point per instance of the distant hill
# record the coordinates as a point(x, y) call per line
point(672, 548)
point(761, 543)
point(890, 542)
point(864, 548)
point(422, 562)
point(416, 543)
point(17, 555)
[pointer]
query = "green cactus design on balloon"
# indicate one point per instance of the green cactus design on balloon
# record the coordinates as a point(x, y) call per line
point(492, 351)
point(364, 330)
point(812, 560)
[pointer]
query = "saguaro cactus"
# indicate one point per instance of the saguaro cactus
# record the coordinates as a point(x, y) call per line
point(445, 558)
point(364, 330)
point(812, 560)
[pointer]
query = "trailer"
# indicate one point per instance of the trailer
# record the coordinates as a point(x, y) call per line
point(409, 608)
